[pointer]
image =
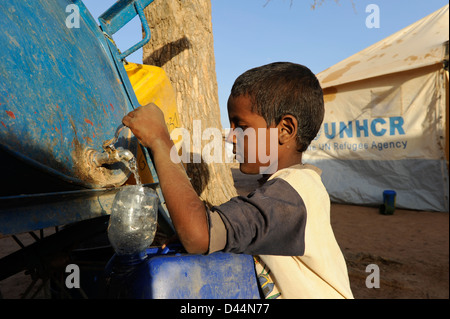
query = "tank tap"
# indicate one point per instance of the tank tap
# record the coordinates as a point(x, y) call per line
point(111, 154)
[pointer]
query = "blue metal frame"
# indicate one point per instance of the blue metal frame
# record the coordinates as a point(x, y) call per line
point(120, 14)
point(24, 213)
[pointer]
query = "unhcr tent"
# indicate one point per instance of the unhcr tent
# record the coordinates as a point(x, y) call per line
point(386, 120)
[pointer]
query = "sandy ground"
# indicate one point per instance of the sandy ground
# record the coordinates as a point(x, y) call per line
point(410, 248)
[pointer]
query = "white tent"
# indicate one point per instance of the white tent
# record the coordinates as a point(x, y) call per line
point(386, 120)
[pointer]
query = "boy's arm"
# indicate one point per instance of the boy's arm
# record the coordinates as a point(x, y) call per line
point(186, 210)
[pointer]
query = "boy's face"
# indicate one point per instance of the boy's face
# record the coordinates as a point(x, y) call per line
point(254, 144)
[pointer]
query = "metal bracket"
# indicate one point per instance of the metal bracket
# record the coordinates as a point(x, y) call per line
point(120, 14)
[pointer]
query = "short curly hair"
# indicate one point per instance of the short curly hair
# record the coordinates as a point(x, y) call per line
point(282, 88)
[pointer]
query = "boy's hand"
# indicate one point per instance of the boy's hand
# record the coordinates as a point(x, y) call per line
point(148, 125)
point(186, 210)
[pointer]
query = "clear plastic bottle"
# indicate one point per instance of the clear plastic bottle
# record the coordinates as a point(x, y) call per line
point(133, 220)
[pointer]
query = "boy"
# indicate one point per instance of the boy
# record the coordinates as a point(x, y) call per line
point(285, 223)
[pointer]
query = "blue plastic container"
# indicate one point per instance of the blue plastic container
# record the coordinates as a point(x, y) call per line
point(159, 274)
point(389, 197)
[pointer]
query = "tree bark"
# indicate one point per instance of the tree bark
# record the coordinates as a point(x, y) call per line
point(182, 44)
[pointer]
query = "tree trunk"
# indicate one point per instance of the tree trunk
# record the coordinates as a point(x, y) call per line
point(182, 44)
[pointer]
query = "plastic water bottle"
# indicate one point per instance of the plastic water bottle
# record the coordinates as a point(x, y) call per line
point(133, 220)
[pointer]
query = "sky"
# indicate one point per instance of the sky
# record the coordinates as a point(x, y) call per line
point(250, 33)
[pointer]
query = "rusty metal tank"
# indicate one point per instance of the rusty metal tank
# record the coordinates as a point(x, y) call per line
point(63, 92)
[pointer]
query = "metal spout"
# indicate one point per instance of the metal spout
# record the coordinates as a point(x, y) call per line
point(111, 156)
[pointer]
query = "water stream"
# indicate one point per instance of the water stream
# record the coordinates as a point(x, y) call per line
point(132, 166)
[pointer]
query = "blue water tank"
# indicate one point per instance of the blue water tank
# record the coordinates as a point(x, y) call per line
point(61, 94)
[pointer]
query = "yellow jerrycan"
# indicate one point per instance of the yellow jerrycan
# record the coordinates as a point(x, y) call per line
point(151, 85)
